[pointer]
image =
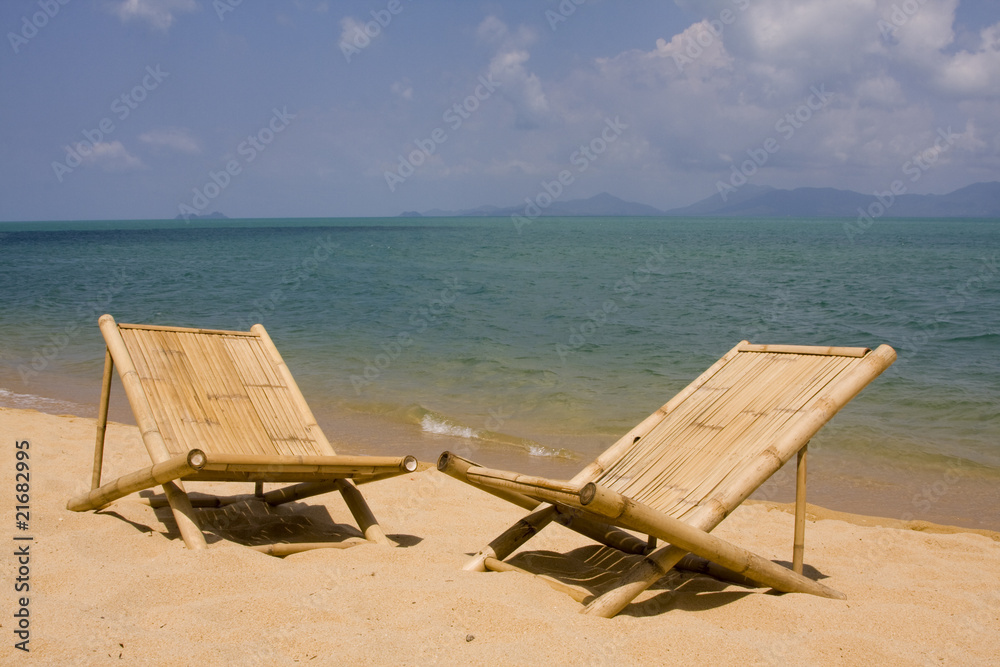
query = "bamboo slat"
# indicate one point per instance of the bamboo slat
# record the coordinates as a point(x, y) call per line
point(229, 395)
point(807, 349)
point(149, 327)
point(299, 400)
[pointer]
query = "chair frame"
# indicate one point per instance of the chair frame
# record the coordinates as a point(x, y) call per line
point(314, 474)
point(583, 504)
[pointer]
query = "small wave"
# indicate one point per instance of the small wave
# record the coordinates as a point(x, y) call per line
point(432, 422)
point(31, 402)
point(974, 338)
point(441, 426)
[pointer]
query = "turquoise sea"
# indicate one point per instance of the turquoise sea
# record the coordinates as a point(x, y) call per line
point(534, 348)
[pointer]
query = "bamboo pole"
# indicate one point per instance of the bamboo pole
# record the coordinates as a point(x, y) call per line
point(823, 409)
point(643, 575)
point(508, 541)
point(178, 466)
point(184, 515)
point(282, 549)
point(574, 592)
point(697, 564)
point(535, 487)
point(151, 436)
point(808, 349)
point(455, 466)
point(102, 419)
point(798, 548)
point(158, 327)
point(362, 513)
point(326, 485)
point(679, 534)
point(197, 500)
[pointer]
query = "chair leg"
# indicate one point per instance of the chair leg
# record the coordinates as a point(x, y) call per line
point(798, 547)
point(102, 420)
point(643, 575)
point(362, 514)
point(184, 515)
point(512, 538)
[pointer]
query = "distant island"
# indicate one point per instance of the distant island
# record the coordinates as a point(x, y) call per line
point(981, 200)
point(214, 215)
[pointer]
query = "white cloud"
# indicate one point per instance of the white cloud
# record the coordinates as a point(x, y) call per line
point(522, 88)
point(157, 13)
point(975, 74)
point(173, 138)
point(353, 35)
point(109, 155)
point(403, 89)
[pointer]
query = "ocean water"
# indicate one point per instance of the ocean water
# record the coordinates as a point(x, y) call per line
point(535, 347)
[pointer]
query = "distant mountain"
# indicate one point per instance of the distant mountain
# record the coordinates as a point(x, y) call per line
point(603, 204)
point(981, 200)
point(214, 215)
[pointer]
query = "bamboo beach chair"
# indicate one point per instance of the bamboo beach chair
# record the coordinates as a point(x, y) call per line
point(684, 468)
point(221, 406)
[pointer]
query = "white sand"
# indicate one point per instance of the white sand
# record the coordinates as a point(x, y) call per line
point(119, 586)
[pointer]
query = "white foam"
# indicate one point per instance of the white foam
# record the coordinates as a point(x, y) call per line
point(31, 402)
point(444, 427)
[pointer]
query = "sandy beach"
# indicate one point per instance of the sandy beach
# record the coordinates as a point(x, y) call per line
point(118, 586)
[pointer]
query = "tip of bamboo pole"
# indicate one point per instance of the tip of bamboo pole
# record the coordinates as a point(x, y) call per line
point(442, 462)
point(197, 459)
point(409, 463)
point(587, 493)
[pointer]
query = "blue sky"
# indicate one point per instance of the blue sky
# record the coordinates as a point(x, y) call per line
point(120, 109)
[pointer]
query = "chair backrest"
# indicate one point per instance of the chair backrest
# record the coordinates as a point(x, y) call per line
point(219, 391)
point(710, 447)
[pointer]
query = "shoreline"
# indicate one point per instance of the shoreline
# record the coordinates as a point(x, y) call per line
point(954, 494)
point(120, 583)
